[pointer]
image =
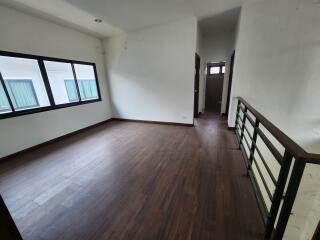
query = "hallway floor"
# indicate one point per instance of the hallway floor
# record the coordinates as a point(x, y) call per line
point(135, 181)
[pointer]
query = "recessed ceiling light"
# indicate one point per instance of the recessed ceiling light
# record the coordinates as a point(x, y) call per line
point(98, 20)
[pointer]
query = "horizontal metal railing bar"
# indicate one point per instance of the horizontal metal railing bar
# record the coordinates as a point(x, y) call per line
point(273, 150)
point(238, 134)
point(266, 166)
point(239, 117)
point(245, 127)
point(242, 109)
point(245, 157)
point(263, 180)
point(259, 170)
point(250, 119)
point(247, 115)
point(285, 141)
point(261, 203)
point(310, 158)
point(262, 158)
point(241, 121)
point(257, 192)
point(271, 147)
point(247, 143)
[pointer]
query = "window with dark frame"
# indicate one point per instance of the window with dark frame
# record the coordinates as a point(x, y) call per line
point(31, 84)
point(216, 68)
point(57, 73)
point(22, 93)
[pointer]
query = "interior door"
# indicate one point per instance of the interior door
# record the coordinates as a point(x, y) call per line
point(214, 86)
point(196, 87)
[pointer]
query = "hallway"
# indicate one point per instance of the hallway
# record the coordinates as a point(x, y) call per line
point(137, 181)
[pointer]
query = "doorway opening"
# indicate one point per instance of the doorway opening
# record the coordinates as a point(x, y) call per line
point(214, 86)
point(196, 87)
point(230, 82)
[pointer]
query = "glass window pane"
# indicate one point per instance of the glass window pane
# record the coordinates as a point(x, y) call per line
point(71, 90)
point(87, 82)
point(223, 69)
point(24, 82)
point(4, 103)
point(62, 82)
point(214, 70)
point(22, 93)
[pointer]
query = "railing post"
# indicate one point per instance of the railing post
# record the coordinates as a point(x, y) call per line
point(293, 187)
point(244, 122)
point(238, 110)
point(277, 197)
point(254, 140)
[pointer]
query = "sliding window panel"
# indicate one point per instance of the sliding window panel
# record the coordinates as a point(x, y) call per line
point(4, 102)
point(24, 83)
point(87, 82)
point(62, 82)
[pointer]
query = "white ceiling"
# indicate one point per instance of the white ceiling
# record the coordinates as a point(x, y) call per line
point(221, 22)
point(126, 15)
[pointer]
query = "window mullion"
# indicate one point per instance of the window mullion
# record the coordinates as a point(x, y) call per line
point(7, 93)
point(96, 81)
point(46, 82)
point(76, 81)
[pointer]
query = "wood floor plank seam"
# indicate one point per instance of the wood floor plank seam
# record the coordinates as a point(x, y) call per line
point(134, 181)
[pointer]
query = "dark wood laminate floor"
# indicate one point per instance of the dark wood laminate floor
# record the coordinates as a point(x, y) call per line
point(135, 181)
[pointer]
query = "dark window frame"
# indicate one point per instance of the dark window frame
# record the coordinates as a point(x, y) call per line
point(8, 110)
point(46, 82)
point(211, 65)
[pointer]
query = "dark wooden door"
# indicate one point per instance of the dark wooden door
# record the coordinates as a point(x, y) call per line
point(196, 87)
point(214, 86)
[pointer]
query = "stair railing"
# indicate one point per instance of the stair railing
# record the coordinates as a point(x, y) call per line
point(286, 183)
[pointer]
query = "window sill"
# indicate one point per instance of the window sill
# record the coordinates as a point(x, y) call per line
point(45, 109)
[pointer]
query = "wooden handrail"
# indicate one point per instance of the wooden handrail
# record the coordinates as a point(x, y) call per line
point(313, 158)
point(297, 151)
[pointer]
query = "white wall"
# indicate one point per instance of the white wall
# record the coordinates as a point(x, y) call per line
point(151, 72)
point(217, 47)
point(277, 71)
point(27, 34)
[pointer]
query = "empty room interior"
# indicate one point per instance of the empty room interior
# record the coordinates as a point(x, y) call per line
point(160, 120)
